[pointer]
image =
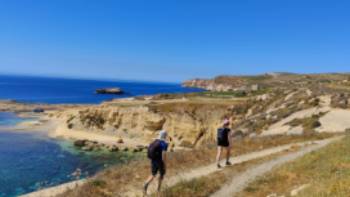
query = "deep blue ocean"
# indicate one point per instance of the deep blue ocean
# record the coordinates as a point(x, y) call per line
point(30, 161)
point(55, 90)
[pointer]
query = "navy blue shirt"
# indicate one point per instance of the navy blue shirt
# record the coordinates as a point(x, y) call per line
point(163, 147)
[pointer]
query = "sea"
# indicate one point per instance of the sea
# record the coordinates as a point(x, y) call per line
point(30, 161)
point(77, 91)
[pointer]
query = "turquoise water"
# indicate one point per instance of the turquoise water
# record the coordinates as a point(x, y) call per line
point(29, 162)
point(8, 119)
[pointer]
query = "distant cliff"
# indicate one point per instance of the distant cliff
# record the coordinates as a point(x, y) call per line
point(253, 83)
point(224, 84)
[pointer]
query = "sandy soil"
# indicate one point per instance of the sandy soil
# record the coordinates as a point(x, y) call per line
point(281, 127)
point(336, 120)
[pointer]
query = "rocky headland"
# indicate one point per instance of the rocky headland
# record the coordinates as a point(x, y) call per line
point(275, 104)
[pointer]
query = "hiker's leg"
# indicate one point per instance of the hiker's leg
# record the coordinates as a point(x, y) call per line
point(228, 153)
point(154, 170)
point(160, 180)
point(218, 155)
point(149, 180)
point(162, 172)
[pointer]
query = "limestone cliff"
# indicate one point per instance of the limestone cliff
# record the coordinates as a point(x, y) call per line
point(188, 122)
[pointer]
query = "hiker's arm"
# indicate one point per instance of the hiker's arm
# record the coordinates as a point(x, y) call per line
point(231, 134)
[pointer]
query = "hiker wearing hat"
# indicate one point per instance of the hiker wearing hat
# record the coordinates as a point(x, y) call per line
point(157, 154)
point(223, 142)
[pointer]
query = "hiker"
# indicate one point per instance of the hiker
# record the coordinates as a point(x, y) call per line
point(223, 142)
point(157, 154)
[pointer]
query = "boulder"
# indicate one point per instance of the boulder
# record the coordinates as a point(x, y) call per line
point(113, 148)
point(87, 148)
point(139, 148)
point(38, 110)
point(80, 143)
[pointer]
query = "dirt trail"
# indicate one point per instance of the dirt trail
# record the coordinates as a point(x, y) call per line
point(239, 182)
point(206, 170)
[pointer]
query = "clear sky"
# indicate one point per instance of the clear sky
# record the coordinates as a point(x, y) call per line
point(172, 40)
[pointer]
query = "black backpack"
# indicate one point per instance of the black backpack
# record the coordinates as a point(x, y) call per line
point(222, 133)
point(154, 150)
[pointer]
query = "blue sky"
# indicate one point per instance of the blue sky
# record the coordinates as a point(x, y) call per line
point(172, 40)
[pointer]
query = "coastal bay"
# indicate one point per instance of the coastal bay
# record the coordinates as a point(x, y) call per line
point(37, 144)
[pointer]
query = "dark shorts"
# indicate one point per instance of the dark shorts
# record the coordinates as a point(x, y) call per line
point(224, 143)
point(158, 166)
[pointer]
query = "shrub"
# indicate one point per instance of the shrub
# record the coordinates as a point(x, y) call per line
point(98, 183)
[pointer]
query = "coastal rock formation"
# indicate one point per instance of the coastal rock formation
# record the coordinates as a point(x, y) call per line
point(88, 145)
point(109, 91)
point(192, 119)
point(187, 123)
point(265, 81)
point(215, 84)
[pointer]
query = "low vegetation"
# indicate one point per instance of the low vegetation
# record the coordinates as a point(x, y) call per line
point(309, 124)
point(116, 180)
point(327, 172)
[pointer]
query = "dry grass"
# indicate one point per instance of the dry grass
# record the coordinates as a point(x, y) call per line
point(115, 180)
point(327, 171)
point(204, 186)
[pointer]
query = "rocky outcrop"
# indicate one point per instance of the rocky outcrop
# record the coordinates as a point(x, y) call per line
point(109, 91)
point(211, 85)
point(340, 100)
point(88, 145)
point(224, 84)
point(187, 123)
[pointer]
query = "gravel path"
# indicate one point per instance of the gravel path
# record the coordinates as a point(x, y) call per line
point(241, 181)
point(207, 170)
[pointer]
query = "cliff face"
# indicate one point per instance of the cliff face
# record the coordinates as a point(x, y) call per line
point(194, 119)
point(223, 84)
point(187, 123)
point(213, 84)
point(271, 80)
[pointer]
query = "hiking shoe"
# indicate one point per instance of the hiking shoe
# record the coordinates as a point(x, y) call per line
point(219, 166)
point(228, 163)
point(145, 186)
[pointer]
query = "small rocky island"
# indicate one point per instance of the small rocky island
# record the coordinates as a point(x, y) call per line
point(109, 91)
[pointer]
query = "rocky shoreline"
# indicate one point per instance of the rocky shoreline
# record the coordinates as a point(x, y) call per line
point(89, 145)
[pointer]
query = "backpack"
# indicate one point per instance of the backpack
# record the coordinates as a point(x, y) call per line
point(222, 133)
point(154, 150)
